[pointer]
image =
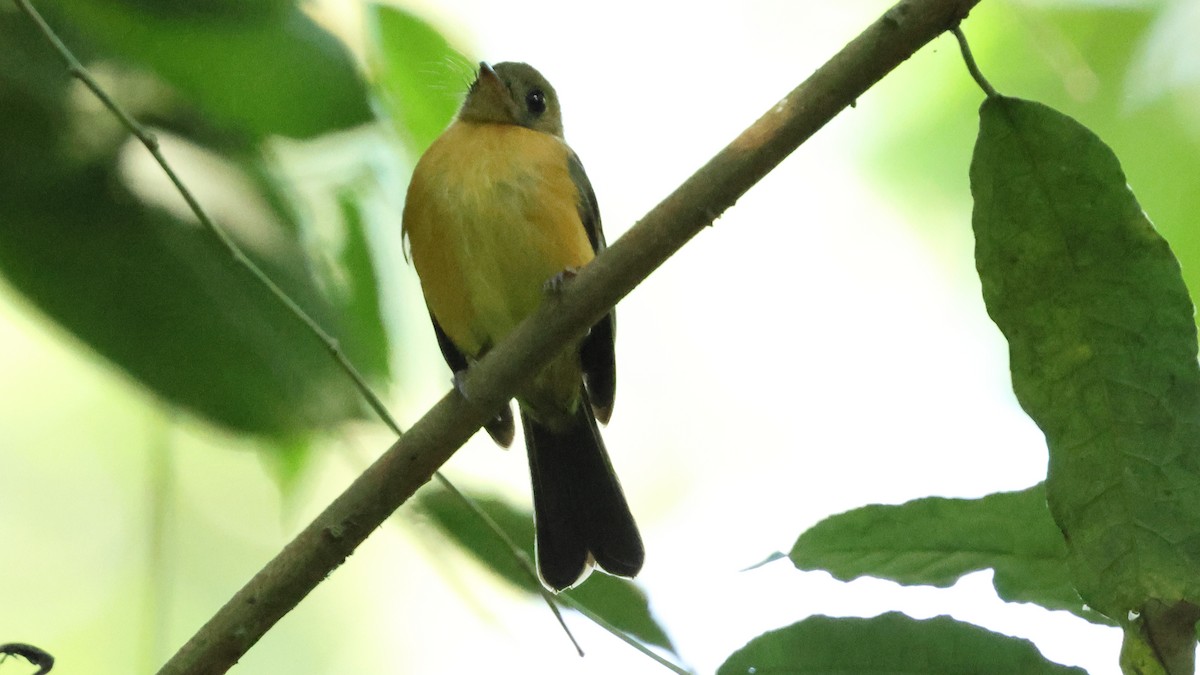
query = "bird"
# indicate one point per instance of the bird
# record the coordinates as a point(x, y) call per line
point(498, 213)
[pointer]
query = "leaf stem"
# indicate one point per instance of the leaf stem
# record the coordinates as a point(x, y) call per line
point(973, 67)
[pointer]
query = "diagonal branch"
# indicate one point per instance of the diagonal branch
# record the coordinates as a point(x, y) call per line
point(410, 462)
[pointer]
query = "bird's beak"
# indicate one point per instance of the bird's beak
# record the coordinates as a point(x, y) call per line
point(488, 99)
point(488, 78)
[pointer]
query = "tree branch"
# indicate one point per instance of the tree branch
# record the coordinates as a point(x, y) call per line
point(410, 462)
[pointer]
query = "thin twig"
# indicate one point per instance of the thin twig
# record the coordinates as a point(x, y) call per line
point(603, 623)
point(523, 560)
point(973, 67)
point(149, 140)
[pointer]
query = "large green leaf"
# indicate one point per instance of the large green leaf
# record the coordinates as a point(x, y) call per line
point(1103, 352)
point(260, 68)
point(155, 294)
point(616, 600)
point(935, 541)
point(890, 643)
point(420, 77)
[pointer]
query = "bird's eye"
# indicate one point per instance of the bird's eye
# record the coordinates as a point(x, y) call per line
point(535, 101)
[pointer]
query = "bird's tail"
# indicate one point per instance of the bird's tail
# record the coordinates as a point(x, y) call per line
point(580, 511)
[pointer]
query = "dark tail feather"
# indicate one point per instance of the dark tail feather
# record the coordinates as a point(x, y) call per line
point(580, 510)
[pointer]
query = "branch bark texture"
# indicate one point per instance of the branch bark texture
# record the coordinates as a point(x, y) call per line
point(410, 462)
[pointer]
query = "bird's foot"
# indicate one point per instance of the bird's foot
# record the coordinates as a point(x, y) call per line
point(459, 380)
point(500, 427)
point(558, 282)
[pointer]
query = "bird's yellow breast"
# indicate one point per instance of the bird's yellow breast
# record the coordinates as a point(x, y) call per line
point(491, 215)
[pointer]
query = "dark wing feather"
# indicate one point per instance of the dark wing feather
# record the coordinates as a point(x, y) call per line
point(454, 358)
point(501, 428)
point(597, 355)
point(589, 210)
point(599, 361)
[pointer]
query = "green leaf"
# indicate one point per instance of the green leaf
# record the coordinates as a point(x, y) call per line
point(889, 643)
point(257, 68)
point(286, 461)
point(1161, 640)
point(153, 293)
point(358, 295)
point(1103, 351)
point(935, 541)
point(419, 76)
point(156, 296)
point(618, 601)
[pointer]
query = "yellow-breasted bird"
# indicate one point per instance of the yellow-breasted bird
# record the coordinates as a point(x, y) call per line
point(498, 207)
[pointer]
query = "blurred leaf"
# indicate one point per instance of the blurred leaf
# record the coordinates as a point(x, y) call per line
point(889, 643)
point(158, 298)
point(358, 296)
point(616, 600)
point(285, 460)
point(259, 68)
point(1167, 60)
point(1103, 351)
point(154, 294)
point(421, 79)
point(935, 541)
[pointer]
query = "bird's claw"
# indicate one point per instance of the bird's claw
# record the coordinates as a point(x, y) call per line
point(459, 380)
point(558, 282)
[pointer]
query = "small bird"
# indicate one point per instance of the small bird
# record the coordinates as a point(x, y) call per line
point(499, 209)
